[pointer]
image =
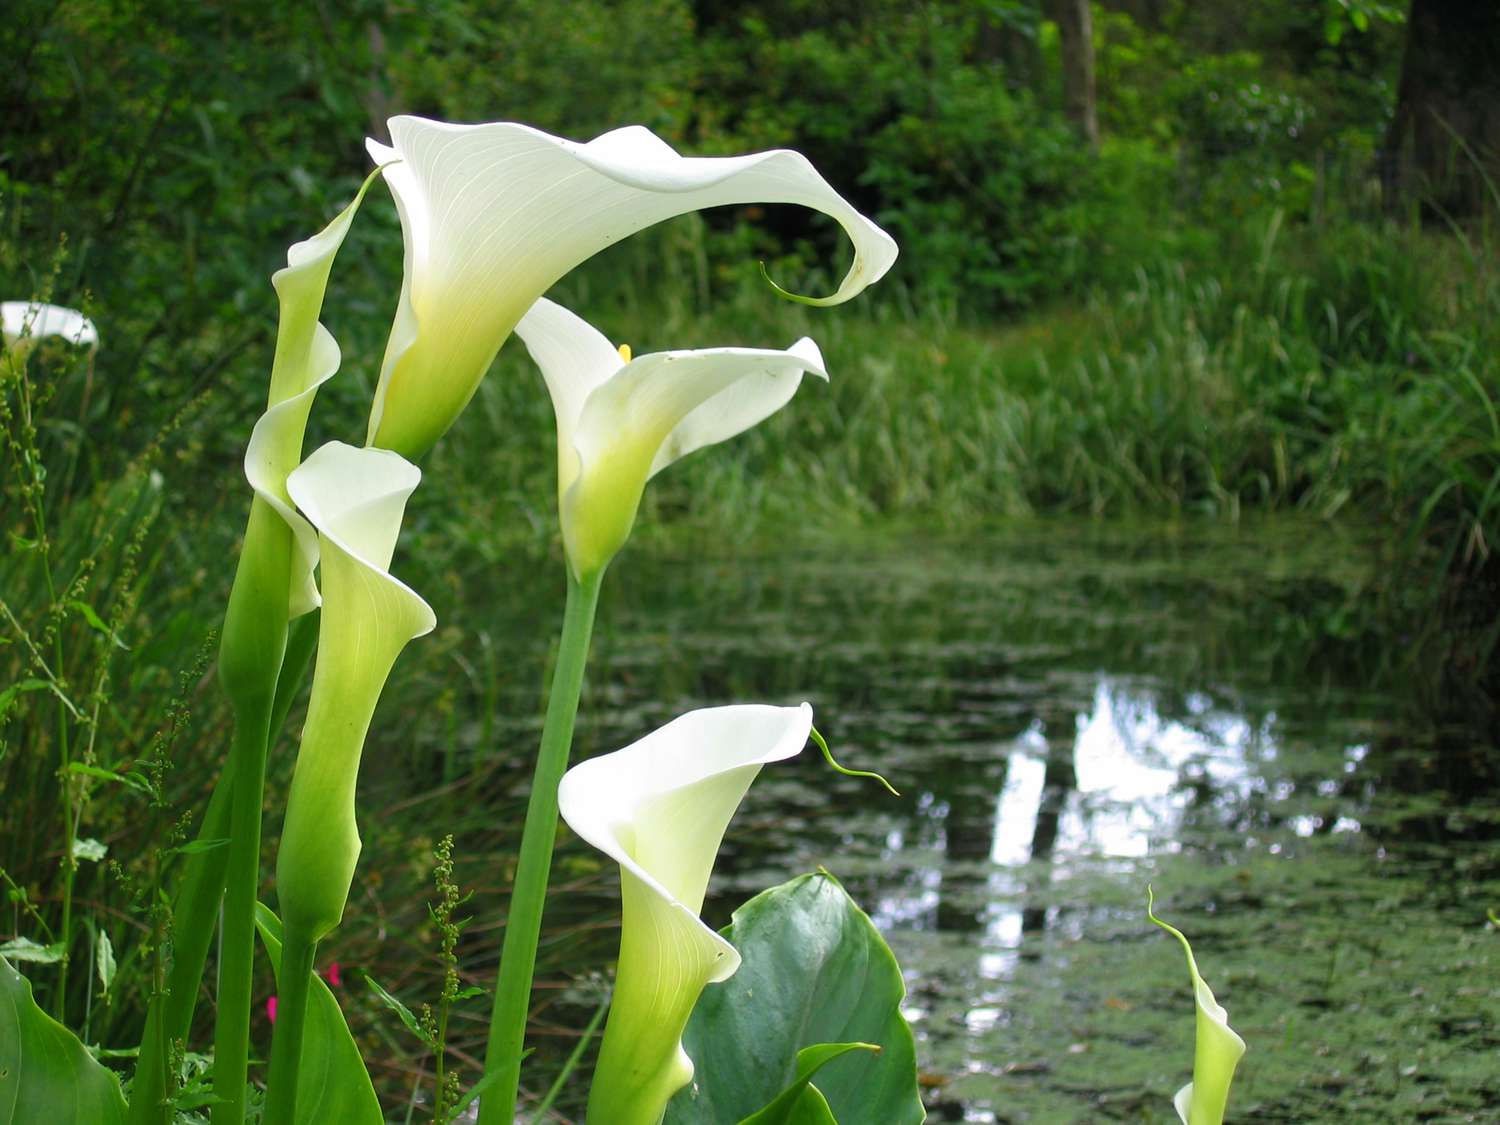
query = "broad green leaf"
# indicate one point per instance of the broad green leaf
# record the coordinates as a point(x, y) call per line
point(46, 1074)
point(802, 1103)
point(814, 971)
point(332, 1083)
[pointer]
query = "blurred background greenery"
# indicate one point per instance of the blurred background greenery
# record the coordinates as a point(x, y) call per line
point(1159, 259)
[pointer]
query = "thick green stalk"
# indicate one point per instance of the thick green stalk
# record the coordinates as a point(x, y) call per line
point(297, 958)
point(250, 660)
point(529, 894)
point(195, 908)
point(237, 933)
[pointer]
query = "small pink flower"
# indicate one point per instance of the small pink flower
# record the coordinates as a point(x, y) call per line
point(331, 974)
point(271, 1009)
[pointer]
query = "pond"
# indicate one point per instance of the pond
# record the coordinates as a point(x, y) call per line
point(1072, 712)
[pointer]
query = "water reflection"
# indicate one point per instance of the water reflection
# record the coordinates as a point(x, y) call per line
point(1068, 721)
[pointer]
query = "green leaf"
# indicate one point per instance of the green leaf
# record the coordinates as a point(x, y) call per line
point(9, 695)
point(814, 972)
point(195, 847)
point(802, 1103)
point(24, 949)
point(96, 622)
point(132, 780)
point(46, 1074)
point(332, 1083)
point(399, 1008)
point(104, 961)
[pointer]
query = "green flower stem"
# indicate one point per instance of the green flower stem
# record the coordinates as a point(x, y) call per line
point(237, 932)
point(297, 957)
point(195, 908)
point(528, 896)
point(250, 659)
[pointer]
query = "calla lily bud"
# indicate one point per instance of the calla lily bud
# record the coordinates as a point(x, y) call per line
point(23, 323)
point(1217, 1051)
point(494, 214)
point(659, 808)
point(307, 356)
point(355, 498)
point(620, 422)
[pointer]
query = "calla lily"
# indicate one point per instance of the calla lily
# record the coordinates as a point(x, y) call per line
point(621, 421)
point(23, 323)
point(494, 214)
point(1217, 1052)
point(659, 808)
point(355, 498)
point(306, 357)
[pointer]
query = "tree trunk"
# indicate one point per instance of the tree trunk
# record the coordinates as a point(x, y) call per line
point(1076, 31)
point(1443, 147)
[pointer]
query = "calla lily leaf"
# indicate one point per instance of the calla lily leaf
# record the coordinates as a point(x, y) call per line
point(621, 422)
point(814, 971)
point(24, 323)
point(1218, 1049)
point(332, 1083)
point(307, 356)
point(659, 808)
point(355, 498)
point(46, 1074)
point(802, 1103)
point(494, 214)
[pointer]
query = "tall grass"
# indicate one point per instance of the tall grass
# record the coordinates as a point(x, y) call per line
point(1350, 372)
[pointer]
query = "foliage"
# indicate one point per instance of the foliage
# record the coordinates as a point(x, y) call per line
point(1218, 321)
point(45, 1073)
point(815, 973)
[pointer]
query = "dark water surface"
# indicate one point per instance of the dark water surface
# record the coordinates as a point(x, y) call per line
point(1072, 712)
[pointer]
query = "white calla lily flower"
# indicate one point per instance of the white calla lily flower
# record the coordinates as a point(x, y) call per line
point(24, 323)
point(621, 421)
point(1217, 1047)
point(355, 498)
point(659, 808)
point(494, 214)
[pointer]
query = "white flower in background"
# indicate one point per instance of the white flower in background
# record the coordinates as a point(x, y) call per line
point(620, 421)
point(494, 214)
point(659, 808)
point(24, 323)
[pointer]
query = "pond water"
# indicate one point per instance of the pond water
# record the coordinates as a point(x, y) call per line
point(1072, 712)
